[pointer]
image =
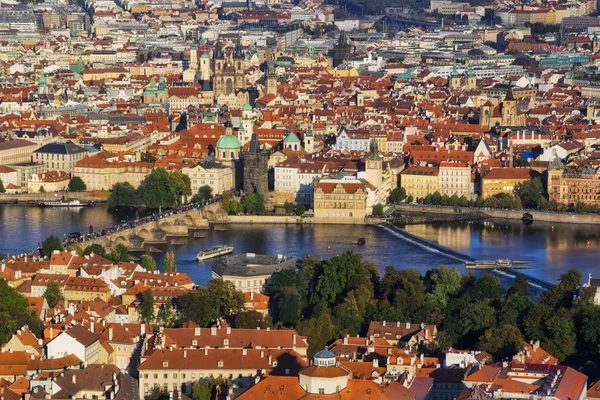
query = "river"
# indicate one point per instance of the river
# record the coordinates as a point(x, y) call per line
point(553, 248)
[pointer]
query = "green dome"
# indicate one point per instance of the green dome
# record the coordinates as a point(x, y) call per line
point(228, 142)
point(247, 107)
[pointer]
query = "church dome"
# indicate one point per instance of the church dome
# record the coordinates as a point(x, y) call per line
point(247, 107)
point(228, 142)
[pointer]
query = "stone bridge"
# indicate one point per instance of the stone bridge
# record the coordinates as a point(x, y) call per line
point(172, 229)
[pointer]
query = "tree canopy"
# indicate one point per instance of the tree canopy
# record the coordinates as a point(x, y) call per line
point(76, 184)
point(50, 244)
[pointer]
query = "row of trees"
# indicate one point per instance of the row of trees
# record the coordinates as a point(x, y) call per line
point(252, 204)
point(291, 208)
point(160, 189)
point(117, 254)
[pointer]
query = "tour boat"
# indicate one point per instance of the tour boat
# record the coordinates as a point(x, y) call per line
point(361, 241)
point(63, 203)
point(216, 251)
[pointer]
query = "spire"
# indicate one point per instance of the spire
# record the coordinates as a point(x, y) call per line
point(218, 49)
point(454, 72)
point(556, 163)
point(309, 130)
point(509, 95)
point(374, 156)
point(238, 49)
point(470, 72)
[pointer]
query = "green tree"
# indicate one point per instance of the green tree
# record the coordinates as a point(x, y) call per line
point(158, 394)
point(53, 294)
point(187, 186)
point(219, 299)
point(336, 275)
point(15, 312)
point(283, 278)
point(436, 199)
point(515, 309)
point(288, 207)
point(50, 244)
point(162, 189)
point(42, 190)
point(519, 287)
point(397, 195)
point(249, 203)
point(502, 342)
point(148, 262)
point(166, 315)
point(235, 207)
point(445, 282)
point(590, 329)
point(463, 201)
point(123, 195)
point(119, 253)
point(146, 307)
point(252, 319)
point(76, 184)
point(453, 200)
point(170, 263)
point(94, 248)
point(2, 189)
point(202, 389)
point(260, 204)
point(300, 209)
point(410, 198)
point(378, 209)
point(318, 331)
point(289, 305)
point(205, 193)
point(530, 192)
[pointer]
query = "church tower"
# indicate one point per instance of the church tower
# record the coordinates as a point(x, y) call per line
point(42, 84)
point(509, 109)
point(246, 124)
point(309, 140)
point(374, 165)
point(271, 79)
point(471, 79)
point(454, 81)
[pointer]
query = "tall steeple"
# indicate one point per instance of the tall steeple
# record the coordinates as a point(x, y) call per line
point(374, 156)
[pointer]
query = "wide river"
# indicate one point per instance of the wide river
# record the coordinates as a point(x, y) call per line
point(553, 248)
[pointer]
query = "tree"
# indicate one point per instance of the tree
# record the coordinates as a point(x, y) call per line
point(205, 193)
point(187, 186)
point(166, 315)
point(53, 294)
point(249, 203)
point(219, 299)
point(170, 262)
point(2, 189)
point(453, 200)
point(50, 244)
point(158, 394)
point(463, 201)
point(502, 342)
point(148, 262)
point(530, 192)
point(235, 207)
point(15, 313)
point(42, 190)
point(146, 307)
point(94, 248)
point(318, 331)
point(123, 195)
point(289, 304)
point(300, 209)
point(436, 199)
point(445, 282)
point(397, 195)
point(410, 198)
point(202, 389)
point(252, 319)
point(288, 207)
point(285, 278)
point(119, 253)
point(378, 209)
point(519, 287)
point(337, 272)
point(162, 189)
point(76, 184)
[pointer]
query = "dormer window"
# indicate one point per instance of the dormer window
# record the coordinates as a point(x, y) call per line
point(194, 343)
point(220, 364)
point(165, 364)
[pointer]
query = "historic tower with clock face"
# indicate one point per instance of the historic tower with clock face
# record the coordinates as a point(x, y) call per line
point(374, 165)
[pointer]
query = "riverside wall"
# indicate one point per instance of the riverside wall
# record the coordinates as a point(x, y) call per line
point(81, 196)
point(568, 218)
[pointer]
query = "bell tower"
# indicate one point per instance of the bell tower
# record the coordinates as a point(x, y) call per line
point(374, 165)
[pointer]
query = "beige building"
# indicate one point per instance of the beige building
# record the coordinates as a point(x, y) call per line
point(218, 176)
point(59, 156)
point(250, 272)
point(100, 174)
point(177, 369)
point(49, 181)
point(340, 201)
point(16, 151)
point(420, 181)
point(455, 179)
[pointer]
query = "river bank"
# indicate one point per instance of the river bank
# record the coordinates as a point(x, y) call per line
point(541, 216)
point(23, 198)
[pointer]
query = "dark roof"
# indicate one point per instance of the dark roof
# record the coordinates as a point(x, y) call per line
point(82, 335)
point(253, 264)
point(61, 148)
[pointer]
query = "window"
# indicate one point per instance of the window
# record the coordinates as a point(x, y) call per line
point(321, 391)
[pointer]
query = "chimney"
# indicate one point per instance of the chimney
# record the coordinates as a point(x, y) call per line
point(213, 331)
point(383, 323)
point(375, 362)
point(426, 333)
point(197, 331)
point(397, 324)
point(251, 295)
point(206, 351)
point(346, 340)
point(262, 354)
point(110, 333)
point(244, 352)
point(408, 325)
point(270, 359)
point(185, 354)
point(74, 378)
point(51, 332)
point(228, 330)
point(92, 327)
point(294, 339)
point(142, 329)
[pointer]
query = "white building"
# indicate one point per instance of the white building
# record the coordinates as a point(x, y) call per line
point(298, 178)
point(76, 340)
point(347, 141)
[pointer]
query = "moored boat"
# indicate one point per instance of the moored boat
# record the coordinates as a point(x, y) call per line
point(213, 252)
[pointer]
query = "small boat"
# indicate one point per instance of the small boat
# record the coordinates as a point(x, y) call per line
point(11, 201)
point(216, 251)
point(361, 241)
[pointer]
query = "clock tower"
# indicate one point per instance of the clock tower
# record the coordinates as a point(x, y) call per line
point(374, 165)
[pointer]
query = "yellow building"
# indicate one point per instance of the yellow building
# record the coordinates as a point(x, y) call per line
point(340, 201)
point(420, 181)
point(218, 176)
point(80, 288)
point(503, 180)
point(16, 151)
point(50, 181)
point(99, 174)
point(105, 73)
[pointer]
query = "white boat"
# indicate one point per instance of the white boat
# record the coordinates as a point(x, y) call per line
point(63, 203)
point(216, 251)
